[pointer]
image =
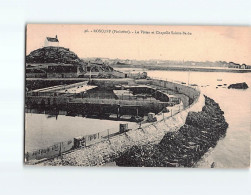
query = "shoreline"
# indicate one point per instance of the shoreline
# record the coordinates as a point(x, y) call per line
point(192, 133)
point(179, 68)
point(185, 147)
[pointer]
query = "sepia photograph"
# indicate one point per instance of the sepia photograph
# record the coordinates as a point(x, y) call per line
point(137, 96)
point(125, 97)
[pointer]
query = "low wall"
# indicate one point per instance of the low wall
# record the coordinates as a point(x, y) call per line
point(54, 150)
point(179, 88)
point(118, 74)
point(65, 146)
point(38, 83)
point(146, 103)
point(187, 90)
point(48, 100)
point(110, 83)
point(106, 151)
point(54, 90)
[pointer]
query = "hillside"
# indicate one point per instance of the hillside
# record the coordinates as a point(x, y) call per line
point(53, 55)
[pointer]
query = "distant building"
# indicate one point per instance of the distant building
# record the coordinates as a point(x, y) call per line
point(138, 75)
point(243, 66)
point(63, 71)
point(51, 42)
point(248, 67)
point(233, 65)
point(97, 68)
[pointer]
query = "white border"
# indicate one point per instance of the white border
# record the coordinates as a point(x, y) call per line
point(16, 179)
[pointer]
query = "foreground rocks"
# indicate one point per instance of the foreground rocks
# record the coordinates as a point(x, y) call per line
point(238, 86)
point(184, 147)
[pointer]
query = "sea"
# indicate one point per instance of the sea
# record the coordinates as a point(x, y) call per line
point(232, 151)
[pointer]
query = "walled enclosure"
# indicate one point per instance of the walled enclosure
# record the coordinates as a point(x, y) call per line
point(104, 152)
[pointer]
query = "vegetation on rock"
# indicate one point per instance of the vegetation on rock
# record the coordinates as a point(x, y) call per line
point(53, 55)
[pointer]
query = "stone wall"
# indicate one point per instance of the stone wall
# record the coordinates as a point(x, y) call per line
point(187, 90)
point(110, 83)
point(47, 100)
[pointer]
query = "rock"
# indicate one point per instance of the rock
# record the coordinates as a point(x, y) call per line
point(201, 120)
point(139, 156)
point(213, 165)
point(184, 147)
point(53, 55)
point(238, 86)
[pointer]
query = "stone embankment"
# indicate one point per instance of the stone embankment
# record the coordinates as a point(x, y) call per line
point(182, 148)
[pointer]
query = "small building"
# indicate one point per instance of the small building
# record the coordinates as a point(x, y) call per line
point(233, 65)
point(243, 66)
point(63, 71)
point(248, 67)
point(98, 69)
point(51, 42)
point(138, 75)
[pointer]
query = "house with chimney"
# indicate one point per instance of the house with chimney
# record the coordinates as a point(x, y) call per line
point(51, 42)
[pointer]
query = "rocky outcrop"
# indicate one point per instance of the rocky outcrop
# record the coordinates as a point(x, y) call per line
point(238, 86)
point(53, 55)
point(184, 147)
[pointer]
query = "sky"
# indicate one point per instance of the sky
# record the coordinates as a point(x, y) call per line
point(196, 43)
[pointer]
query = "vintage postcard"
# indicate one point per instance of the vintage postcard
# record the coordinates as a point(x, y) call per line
point(137, 96)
